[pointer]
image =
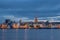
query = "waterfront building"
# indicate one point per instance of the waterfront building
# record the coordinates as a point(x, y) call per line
point(7, 21)
point(50, 25)
point(4, 26)
point(41, 26)
point(0, 25)
point(36, 26)
point(24, 25)
point(15, 25)
point(30, 24)
point(20, 21)
point(58, 26)
point(35, 20)
point(47, 24)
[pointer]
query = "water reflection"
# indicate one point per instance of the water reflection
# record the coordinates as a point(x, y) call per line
point(51, 34)
point(30, 34)
point(3, 36)
point(25, 36)
point(16, 34)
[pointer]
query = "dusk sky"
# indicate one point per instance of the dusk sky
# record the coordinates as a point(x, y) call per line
point(30, 8)
point(27, 10)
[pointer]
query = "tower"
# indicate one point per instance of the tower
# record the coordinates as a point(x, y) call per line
point(7, 21)
point(20, 21)
point(35, 20)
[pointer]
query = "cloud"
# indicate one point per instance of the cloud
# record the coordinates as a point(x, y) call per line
point(26, 19)
point(9, 16)
point(42, 8)
point(51, 19)
point(14, 17)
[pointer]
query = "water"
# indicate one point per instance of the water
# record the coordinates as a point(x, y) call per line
point(30, 34)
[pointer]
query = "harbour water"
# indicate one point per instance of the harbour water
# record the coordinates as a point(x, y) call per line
point(29, 34)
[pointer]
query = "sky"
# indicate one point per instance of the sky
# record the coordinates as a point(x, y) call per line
point(29, 9)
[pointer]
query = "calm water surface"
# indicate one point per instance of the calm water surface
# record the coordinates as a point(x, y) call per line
point(30, 34)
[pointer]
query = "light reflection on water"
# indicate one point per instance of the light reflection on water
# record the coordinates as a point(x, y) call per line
point(16, 34)
point(25, 35)
point(30, 34)
point(3, 34)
